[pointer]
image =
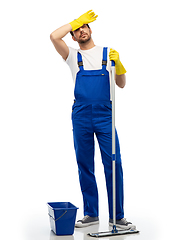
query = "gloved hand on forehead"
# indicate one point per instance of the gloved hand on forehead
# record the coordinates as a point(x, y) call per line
point(114, 55)
point(86, 18)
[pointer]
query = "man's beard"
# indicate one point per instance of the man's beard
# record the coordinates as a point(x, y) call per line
point(85, 40)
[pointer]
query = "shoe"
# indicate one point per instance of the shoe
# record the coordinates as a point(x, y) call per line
point(87, 221)
point(122, 224)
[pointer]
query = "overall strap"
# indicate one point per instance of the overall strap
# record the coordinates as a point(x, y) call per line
point(104, 61)
point(80, 62)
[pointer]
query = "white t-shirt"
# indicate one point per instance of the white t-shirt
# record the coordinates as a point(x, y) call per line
point(92, 60)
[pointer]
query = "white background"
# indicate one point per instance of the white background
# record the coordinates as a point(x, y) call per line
point(36, 94)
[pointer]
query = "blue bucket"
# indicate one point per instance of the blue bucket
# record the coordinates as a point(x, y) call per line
point(62, 217)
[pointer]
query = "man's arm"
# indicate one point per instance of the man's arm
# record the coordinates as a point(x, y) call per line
point(120, 70)
point(56, 36)
point(120, 80)
point(59, 44)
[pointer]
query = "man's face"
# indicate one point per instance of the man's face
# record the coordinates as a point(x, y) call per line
point(82, 34)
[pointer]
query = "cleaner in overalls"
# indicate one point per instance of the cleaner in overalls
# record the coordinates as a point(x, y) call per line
point(92, 114)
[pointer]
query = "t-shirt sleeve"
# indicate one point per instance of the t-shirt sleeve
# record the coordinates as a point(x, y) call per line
point(71, 57)
point(72, 61)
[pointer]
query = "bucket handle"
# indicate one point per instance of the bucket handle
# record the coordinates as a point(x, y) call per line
point(59, 217)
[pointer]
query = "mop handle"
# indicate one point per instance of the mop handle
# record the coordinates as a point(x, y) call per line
point(113, 142)
point(113, 107)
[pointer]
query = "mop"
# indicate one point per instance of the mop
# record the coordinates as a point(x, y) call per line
point(114, 231)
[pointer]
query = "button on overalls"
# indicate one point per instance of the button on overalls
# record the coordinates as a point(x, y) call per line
point(92, 114)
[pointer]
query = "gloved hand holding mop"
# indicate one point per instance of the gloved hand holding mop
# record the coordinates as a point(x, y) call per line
point(114, 55)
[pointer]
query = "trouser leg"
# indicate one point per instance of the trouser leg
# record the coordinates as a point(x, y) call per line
point(84, 148)
point(103, 130)
point(106, 153)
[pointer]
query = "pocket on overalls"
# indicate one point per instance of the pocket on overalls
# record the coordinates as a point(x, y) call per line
point(76, 109)
point(108, 106)
point(96, 86)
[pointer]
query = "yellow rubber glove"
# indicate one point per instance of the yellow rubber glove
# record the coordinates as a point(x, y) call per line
point(86, 18)
point(114, 55)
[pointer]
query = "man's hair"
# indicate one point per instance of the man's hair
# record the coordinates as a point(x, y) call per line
point(71, 32)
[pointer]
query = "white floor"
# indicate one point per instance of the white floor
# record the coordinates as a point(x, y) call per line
point(39, 229)
point(82, 234)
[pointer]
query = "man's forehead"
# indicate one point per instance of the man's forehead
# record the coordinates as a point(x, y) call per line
point(84, 25)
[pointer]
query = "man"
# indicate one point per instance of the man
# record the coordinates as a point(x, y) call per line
point(91, 114)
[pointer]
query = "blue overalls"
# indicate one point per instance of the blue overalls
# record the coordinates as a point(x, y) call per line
point(92, 114)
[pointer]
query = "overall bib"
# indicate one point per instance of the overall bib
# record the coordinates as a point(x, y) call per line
point(92, 114)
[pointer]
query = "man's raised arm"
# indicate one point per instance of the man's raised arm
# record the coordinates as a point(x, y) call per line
point(59, 44)
point(56, 36)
